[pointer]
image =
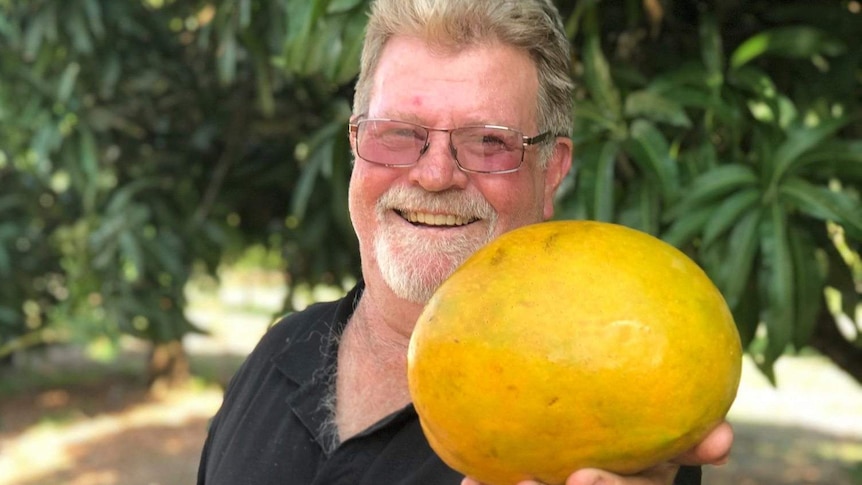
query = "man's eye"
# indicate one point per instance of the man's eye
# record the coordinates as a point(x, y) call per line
point(401, 133)
point(492, 140)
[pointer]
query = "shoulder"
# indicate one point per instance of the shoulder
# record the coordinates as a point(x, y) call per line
point(316, 317)
point(313, 323)
point(310, 326)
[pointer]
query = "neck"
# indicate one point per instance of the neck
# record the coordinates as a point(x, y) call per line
point(371, 378)
point(387, 315)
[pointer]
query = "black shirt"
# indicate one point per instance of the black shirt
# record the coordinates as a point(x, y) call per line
point(270, 428)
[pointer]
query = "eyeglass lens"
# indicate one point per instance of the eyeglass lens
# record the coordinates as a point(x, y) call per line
point(480, 148)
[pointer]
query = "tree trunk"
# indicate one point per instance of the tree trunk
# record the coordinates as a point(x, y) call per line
point(168, 366)
point(829, 342)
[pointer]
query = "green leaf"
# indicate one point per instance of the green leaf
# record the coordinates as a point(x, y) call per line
point(321, 151)
point(8, 316)
point(728, 212)
point(228, 52)
point(823, 203)
point(590, 119)
point(711, 52)
point(841, 159)
point(317, 52)
point(648, 209)
point(263, 76)
point(780, 289)
point(88, 153)
point(744, 239)
point(167, 249)
point(7, 232)
point(303, 43)
point(348, 62)
point(687, 226)
point(122, 197)
point(687, 75)
point(40, 27)
point(799, 140)
point(109, 75)
point(655, 107)
point(746, 312)
point(712, 105)
point(67, 82)
point(809, 280)
point(839, 276)
point(754, 80)
point(648, 146)
point(603, 195)
point(597, 72)
point(244, 16)
point(713, 184)
point(94, 17)
point(697, 159)
point(640, 207)
point(130, 251)
point(580, 11)
point(794, 42)
point(78, 32)
point(341, 6)
point(11, 201)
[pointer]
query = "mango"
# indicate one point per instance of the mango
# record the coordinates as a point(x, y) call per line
point(571, 344)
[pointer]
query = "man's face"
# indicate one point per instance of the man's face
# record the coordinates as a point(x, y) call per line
point(416, 224)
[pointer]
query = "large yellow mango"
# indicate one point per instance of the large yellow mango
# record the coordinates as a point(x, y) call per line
point(574, 344)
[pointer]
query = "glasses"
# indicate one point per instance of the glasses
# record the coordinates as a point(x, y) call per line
point(476, 149)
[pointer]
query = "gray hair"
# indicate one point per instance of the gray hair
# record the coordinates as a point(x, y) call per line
point(534, 26)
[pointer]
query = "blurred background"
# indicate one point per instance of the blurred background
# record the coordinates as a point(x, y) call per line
point(173, 177)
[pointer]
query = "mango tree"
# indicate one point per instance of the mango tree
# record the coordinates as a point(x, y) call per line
point(146, 139)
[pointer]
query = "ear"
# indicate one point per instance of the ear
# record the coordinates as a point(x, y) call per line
point(351, 135)
point(557, 169)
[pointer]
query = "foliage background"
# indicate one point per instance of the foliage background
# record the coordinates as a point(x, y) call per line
point(147, 141)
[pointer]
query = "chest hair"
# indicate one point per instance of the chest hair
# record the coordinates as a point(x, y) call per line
point(370, 380)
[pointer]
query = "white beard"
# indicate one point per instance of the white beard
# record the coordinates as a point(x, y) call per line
point(413, 265)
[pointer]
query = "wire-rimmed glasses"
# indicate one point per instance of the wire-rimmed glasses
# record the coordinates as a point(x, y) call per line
point(476, 149)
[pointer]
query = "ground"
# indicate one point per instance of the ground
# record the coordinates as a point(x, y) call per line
point(72, 421)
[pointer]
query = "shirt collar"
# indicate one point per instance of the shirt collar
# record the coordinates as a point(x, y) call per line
point(307, 353)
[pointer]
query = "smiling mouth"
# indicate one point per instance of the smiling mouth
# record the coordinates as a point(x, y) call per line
point(437, 220)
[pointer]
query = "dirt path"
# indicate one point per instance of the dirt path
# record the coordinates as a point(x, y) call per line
point(808, 431)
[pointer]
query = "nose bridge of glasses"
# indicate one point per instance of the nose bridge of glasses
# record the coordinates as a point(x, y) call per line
point(444, 132)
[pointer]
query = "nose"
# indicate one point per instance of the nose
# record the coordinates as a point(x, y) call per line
point(437, 169)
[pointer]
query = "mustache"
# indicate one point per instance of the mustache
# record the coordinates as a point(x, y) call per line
point(455, 202)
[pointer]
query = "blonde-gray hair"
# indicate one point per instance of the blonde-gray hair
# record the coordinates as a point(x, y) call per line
point(534, 26)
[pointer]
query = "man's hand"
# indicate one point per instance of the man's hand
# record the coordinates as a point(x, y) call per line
point(713, 450)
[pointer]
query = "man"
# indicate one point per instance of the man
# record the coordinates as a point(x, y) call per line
point(459, 134)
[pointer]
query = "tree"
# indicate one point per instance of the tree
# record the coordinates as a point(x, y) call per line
point(144, 139)
point(737, 141)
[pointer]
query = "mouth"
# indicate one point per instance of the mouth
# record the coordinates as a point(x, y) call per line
point(435, 220)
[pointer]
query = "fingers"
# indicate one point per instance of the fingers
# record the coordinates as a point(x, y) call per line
point(662, 474)
point(713, 450)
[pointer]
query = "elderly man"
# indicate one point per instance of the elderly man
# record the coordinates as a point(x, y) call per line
point(459, 133)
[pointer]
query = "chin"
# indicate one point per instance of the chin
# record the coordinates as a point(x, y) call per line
point(412, 273)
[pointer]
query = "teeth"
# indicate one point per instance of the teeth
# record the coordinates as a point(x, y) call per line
point(436, 219)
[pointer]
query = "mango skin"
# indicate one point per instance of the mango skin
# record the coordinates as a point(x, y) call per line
point(572, 344)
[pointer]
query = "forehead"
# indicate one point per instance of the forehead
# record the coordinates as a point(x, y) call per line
point(487, 83)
